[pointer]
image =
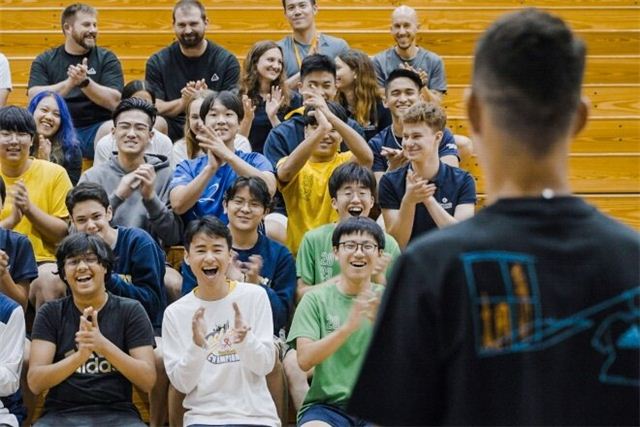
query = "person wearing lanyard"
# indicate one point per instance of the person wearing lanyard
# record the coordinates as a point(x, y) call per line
point(306, 39)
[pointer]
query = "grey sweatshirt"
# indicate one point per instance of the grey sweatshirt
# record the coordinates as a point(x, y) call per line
point(154, 216)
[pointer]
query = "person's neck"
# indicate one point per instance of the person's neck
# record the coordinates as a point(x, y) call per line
point(349, 95)
point(243, 239)
point(73, 48)
point(352, 287)
point(96, 301)
point(15, 169)
point(130, 163)
point(305, 36)
point(426, 168)
point(213, 291)
point(408, 53)
point(110, 236)
point(194, 52)
point(396, 127)
point(265, 87)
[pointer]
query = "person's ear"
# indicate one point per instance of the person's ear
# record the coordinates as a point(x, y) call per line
point(473, 110)
point(334, 203)
point(109, 214)
point(581, 116)
point(185, 257)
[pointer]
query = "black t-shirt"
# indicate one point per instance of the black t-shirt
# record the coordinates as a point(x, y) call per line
point(104, 68)
point(168, 71)
point(501, 320)
point(122, 321)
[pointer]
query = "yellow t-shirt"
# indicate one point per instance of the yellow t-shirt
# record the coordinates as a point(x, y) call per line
point(307, 198)
point(47, 185)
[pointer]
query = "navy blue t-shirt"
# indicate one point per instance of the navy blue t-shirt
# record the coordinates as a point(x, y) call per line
point(22, 262)
point(278, 266)
point(386, 138)
point(261, 126)
point(454, 187)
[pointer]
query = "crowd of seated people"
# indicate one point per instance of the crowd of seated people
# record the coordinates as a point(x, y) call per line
point(291, 185)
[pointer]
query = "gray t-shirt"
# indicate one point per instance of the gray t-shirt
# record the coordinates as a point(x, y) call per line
point(388, 60)
point(328, 45)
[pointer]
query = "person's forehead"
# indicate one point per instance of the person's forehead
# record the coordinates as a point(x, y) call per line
point(421, 127)
point(48, 101)
point(187, 14)
point(353, 184)
point(88, 207)
point(403, 17)
point(205, 239)
point(318, 76)
point(358, 236)
point(402, 83)
point(296, 2)
point(81, 17)
point(133, 116)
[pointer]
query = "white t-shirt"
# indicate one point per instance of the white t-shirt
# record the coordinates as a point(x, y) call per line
point(5, 73)
point(226, 382)
point(159, 144)
point(240, 143)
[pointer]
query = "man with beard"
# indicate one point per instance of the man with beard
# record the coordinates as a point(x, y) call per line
point(179, 71)
point(88, 77)
point(406, 54)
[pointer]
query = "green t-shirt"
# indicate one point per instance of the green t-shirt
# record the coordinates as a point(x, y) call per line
point(315, 262)
point(319, 313)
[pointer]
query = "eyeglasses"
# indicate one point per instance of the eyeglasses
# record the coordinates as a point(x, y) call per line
point(90, 259)
point(351, 247)
point(137, 128)
point(7, 135)
point(239, 203)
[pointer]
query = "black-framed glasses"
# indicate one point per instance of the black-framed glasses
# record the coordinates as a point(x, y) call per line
point(352, 246)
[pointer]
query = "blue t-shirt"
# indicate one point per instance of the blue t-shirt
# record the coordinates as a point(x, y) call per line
point(210, 201)
point(454, 187)
point(139, 272)
point(278, 266)
point(386, 138)
point(22, 262)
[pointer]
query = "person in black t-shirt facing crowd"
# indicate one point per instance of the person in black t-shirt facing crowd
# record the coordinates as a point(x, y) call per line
point(179, 71)
point(526, 314)
point(89, 347)
point(88, 77)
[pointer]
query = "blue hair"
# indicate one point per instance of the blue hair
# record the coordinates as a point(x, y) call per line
point(66, 135)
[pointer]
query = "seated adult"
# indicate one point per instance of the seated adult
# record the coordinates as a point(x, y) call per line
point(12, 333)
point(331, 328)
point(137, 182)
point(305, 39)
point(90, 347)
point(219, 337)
point(56, 141)
point(198, 185)
point(426, 193)
point(265, 94)
point(159, 143)
point(407, 54)
point(35, 198)
point(87, 76)
point(402, 90)
point(358, 92)
point(188, 148)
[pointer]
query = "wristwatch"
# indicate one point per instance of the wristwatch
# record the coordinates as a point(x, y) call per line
point(84, 83)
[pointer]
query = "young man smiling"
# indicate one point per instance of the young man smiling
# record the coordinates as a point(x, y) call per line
point(331, 328)
point(88, 348)
point(219, 337)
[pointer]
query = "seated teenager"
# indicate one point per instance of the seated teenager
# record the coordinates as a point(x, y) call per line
point(198, 185)
point(160, 143)
point(35, 198)
point(219, 337)
point(426, 193)
point(56, 141)
point(138, 182)
point(303, 176)
point(331, 328)
point(266, 96)
point(12, 332)
point(88, 348)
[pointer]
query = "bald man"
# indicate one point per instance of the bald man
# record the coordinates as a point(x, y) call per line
point(406, 54)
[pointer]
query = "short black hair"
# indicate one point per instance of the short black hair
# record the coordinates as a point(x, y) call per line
point(129, 104)
point(184, 4)
point(257, 188)
point(284, 3)
point(81, 243)
point(403, 72)
point(358, 225)
point(227, 98)
point(135, 86)
point(3, 191)
point(528, 69)
point(70, 12)
point(86, 191)
point(317, 62)
point(334, 107)
point(209, 225)
point(17, 119)
point(351, 172)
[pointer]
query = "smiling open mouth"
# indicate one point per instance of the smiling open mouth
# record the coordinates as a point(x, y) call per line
point(210, 272)
point(355, 211)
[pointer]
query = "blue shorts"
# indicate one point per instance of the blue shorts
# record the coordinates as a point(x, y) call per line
point(331, 415)
point(86, 135)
